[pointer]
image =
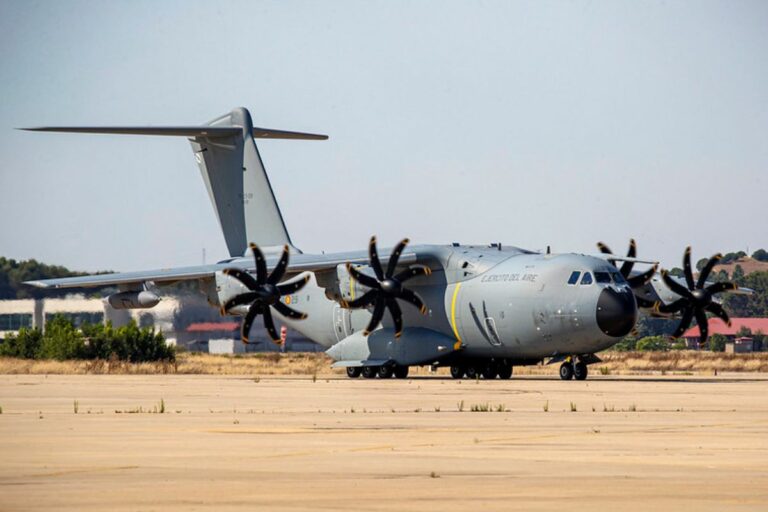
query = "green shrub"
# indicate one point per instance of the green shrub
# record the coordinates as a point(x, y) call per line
point(127, 343)
point(653, 344)
point(717, 343)
point(61, 341)
point(95, 341)
point(25, 345)
point(627, 344)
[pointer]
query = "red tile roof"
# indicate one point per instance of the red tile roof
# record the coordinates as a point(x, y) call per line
point(717, 326)
point(213, 327)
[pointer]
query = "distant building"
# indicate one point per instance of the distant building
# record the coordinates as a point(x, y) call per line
point(717, 326)
point(740, 345)
point(224, 338)
point(15, 314)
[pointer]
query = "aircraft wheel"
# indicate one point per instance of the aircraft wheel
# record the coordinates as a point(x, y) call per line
point(566, 371)
point(489, 371)
point(369, 372)
point(471, 372)
point(354, 372)
point(401, 372)
point(457, 372)
point(580, 371)
point(386, 371)
point(505, 371)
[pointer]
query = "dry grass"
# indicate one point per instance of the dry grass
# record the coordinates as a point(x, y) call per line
point(318, 364)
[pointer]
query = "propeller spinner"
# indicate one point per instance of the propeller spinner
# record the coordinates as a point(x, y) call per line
point(387, 287)
point(264, 293)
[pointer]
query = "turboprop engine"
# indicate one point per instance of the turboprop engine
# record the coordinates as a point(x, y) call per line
point(133, 300)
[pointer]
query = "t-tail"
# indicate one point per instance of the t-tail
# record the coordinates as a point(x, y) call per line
point(233, 173)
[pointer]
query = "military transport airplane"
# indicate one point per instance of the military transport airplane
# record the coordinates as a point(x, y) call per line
point(479, 309)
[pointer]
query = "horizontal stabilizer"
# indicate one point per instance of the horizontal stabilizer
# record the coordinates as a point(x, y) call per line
point(181, 131)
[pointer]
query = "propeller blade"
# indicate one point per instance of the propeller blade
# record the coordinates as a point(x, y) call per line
point(397, 316)
point(717, 310)
point(378, 313)
point(413, 271)
point(363, 300)
point(721, 287)
point(674, 307)
point(714, 260)
point(412, 297)
point(373, 258)
point(261, 264)
point(606, 250)
point(242, 276)
point(269, 324)
point(288, 312)
point(675, 286)
point(239, 300)
point(292, 286)
point(701, 319)
point(282, 264)
point(395, 256)
point(245, 329)
point(684, 323)
point(365, 280)
point(642, 279)
point(626, 268)
point(687, 268)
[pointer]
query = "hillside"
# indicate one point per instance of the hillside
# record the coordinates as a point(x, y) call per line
point(748, 265)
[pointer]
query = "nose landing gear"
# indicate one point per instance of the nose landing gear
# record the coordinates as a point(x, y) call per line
point(573, 370)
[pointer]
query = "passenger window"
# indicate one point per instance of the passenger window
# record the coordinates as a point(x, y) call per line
point(574, 277)
point(587, 279)
point(602, 277)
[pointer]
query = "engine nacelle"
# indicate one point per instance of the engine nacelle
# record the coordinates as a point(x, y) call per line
point(133, 300)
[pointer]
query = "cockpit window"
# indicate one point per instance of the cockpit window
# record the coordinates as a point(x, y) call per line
point(574, 277)
point(602, 277)
point(587, 279)
point(618, 278)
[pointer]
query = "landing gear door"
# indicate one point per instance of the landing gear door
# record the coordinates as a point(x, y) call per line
point(341, 323)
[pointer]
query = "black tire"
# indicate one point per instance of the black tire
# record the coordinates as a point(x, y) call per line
point(354, 372)
point(386, 371)
point(580, 371)
point(457, 372)
point(566, 371)
point(505, 371)
point(471, 372)
point(401, 372)
point(370, 372)
point(489, 371)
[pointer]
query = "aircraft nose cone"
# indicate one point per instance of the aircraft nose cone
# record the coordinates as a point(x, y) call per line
point(616, 312)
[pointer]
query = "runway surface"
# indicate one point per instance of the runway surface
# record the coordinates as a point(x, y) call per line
point(239, 443)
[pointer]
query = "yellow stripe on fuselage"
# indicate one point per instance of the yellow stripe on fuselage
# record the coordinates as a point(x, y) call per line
point(457, 345)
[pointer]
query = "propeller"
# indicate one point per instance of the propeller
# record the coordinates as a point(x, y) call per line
point(264, 293)
point(695, 300)
point(387, 287)
point(637, 281)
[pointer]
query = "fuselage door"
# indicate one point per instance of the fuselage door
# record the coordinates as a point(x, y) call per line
point(341, 323)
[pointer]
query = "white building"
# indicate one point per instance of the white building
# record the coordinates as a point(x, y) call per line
point(15, 314)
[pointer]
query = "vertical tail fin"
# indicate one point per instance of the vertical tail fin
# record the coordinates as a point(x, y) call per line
point(238, 186)
point(233, 173)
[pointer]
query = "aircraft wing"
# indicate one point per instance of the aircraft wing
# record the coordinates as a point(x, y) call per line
point(298, 263)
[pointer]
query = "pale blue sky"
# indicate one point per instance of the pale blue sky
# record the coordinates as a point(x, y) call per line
point(529, 123)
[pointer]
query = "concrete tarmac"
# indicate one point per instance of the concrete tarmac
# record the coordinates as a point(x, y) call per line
point(294, 444)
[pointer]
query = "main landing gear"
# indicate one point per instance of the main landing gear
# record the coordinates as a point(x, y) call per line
point(486, 370)
point(570, 370)
point(382, 372)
